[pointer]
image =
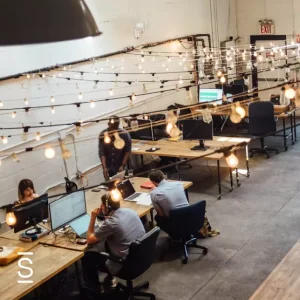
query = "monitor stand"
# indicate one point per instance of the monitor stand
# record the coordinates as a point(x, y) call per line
point(201, 146)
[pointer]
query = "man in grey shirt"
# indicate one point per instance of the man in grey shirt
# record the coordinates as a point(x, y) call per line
point(121, 227)
point(166, 196)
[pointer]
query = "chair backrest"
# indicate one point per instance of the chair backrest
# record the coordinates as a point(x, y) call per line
point(70, 186)
point(140, 257)
point(187, 220)
point(261, 118)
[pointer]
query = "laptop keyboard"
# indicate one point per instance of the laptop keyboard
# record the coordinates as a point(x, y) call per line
point(132, 197)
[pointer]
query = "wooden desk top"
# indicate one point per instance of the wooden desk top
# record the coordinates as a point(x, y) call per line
point(4, 242)
point(284, 281)
point(46, 263)
point(183, 148)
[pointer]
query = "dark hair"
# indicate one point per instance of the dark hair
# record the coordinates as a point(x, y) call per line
point(24, 184)
point(156, 176)
point(107, 200)
point(114, 122)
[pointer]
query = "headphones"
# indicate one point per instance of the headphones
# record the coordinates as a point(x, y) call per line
point(108, 207)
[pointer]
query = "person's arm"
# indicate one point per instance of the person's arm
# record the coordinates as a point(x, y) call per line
point(157, 208)
point(90, 237)
point(102, 157)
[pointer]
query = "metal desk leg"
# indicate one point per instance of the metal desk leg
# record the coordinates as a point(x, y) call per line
point(295, 126)
point(78, 277)
point(247, 161)
point(231, 180)
point(142, 160)
point(187, 194)
point(237, 174)
point(219, 180)
point(284, 135)
point(292, 129)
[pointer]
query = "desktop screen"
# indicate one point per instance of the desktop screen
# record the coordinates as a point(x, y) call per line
point(66, 209)
point(208, 95)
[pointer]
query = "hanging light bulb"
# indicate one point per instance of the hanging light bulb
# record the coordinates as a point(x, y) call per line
point(38, 136)
point(174, 132)
point(28, 76)
point(180, 81)
point(255, 54)
point(169, 127)
point(143, 59)
point(111, 92)
point(26, 102)
point(10, 218)
point(262, 48)
point(240, 110)
point(66, 153)
point(146, 117)
point(206, 116)
point(49, 152)
point(25, 134)
point(92, 103)
point(170, 117)
point(80, 97)
point(192, 66)
point(260, 58)
point(1, 104)
point(232, 160)
point(107, 138)
point(15, 157)
point(118, 143)
point(13, 114)
point(223, 79)
point(234, 116)
point(292, 42)
point(4, 139)
point(115, 195)
point(53, 110)
point(133, 97)
point(219, 73)
point(52, 99)
point(289, 92)
point(79, 129)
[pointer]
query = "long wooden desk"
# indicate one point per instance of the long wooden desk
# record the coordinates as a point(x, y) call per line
point(46, 263)
point(183, 149)
point(284, 281)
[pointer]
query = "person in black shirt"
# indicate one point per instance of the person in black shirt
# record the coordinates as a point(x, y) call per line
point(114, 160)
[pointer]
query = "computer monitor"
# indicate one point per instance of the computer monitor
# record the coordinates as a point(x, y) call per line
point(30, 214)
point(144, 132)
point(208, 95)
point(233, 89)
point(66, 209)
point(159, 131)
point(197, 130)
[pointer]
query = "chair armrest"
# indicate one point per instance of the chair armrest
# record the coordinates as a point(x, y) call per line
point(113, 258)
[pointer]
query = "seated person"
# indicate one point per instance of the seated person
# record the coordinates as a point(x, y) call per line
point(166, 196)
point(121, 227)
point(26, 191)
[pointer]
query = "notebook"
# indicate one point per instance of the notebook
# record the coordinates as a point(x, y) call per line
point(147, 185)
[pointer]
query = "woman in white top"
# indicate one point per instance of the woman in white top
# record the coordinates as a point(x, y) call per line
point(26, 191)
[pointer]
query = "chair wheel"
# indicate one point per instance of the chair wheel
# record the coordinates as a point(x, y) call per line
point(184, 261)
point(205, 251)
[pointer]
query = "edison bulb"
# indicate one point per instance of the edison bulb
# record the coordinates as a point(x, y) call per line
point(80, 96)
point(66, 154)
point(13, 114)
point(118, 143)
point(38, 136)
point(133, 96)
point(10, 219)
point(290, 93)
point(260, 57)
point(26, 102)
point(49, 152)
point(107, 138)
point(219, 73)
point(174, 132)
point(111, 92)
point(206, 115)
point(232, 161)
point(234, 116)
point(92, 104)
point(1, 104)
point(53, 110)
point(223, 79)
point(115, 195)
point(240, 110)
point(52, 99)
point(4, 140)
point(180, 81)
point(169, 128)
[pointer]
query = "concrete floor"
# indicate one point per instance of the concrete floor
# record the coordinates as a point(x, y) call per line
point(259, 223)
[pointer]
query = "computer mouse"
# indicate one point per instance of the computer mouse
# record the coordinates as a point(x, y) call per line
point(153, 148)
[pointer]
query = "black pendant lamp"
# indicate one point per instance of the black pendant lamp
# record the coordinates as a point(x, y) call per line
point(44, 21)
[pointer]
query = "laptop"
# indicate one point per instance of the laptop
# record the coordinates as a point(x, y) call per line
point(80, 225)
point(128, 192)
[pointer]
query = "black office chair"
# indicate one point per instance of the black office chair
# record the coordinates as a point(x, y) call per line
point(261, 123)
point(185, 223)
point(138, 261)
point(70, 186)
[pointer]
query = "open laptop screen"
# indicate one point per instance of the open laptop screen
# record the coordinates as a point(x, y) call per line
point(126, 188)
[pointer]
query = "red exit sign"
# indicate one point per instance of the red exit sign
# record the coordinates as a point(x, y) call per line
point(266, 29)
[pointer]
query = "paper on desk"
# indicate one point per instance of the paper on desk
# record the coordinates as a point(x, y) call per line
point(135, 148)
point(144, 200)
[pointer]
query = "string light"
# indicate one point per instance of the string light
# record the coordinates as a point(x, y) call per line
point(15, 157)
point(52, 99)
point(1, 104)
point(80, 97)
point(92, 103)
point(260, 58)
point(10, 218)
point(26, 102)
point(115, 195)
point(262, 48)
point(234, 116)
point(133, 97)
point(4, 139)
point(169, 127)
point(240, 110)
point(28, 76)
point(174, 132)
point(219, 73)
point(66, 153)
point(180, 81)
point(118, 143)
point(111, 92)
point(223, 79)
point(53, 110)
point(13, 114)
point(25, 134)
point(232, 160)
point(38, 136)
point(107, 138)
point(49, 152)
point(289, 92)
point(79, 128)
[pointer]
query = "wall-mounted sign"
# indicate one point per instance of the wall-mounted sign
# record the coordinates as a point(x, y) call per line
point(266, 27)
